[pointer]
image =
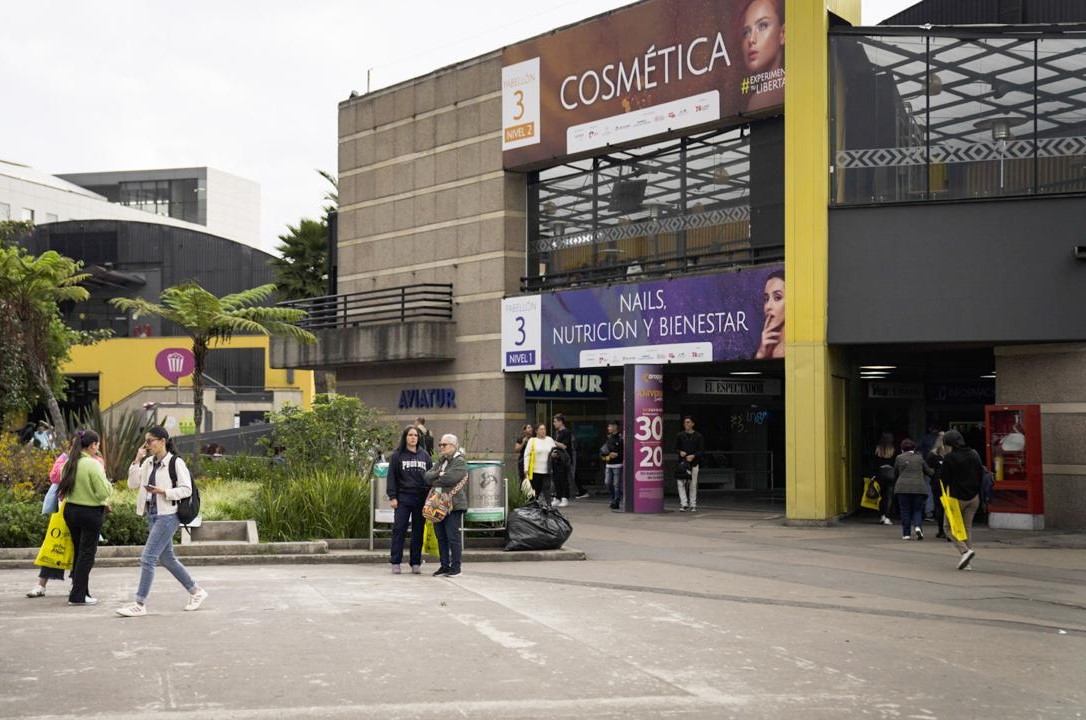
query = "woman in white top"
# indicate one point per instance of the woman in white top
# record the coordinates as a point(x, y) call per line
point(537, 463)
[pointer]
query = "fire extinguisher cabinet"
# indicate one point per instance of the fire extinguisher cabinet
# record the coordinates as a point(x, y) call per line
point(1013, 443)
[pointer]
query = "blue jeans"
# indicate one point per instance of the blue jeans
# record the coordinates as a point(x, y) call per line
point(450, 543)
point(408, 509)
point(912, 511)
point(159, 548)
point(612, 477)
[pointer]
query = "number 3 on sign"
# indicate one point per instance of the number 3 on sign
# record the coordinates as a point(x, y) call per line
point(649, 428)
point(519, 103)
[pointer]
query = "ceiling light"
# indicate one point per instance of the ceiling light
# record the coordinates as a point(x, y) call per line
point(747, 372)
point(878, 367)
point(990, 376)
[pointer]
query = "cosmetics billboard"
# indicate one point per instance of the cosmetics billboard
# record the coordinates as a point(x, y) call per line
point(640, 72)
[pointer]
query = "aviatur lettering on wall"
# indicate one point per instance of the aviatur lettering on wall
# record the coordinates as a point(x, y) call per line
point(427, 398)
point(585, 385)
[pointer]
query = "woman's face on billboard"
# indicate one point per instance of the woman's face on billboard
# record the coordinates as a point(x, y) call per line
point(774, 302)
point(763, 36)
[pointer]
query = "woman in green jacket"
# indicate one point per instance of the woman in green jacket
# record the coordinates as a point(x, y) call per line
point(85, 489)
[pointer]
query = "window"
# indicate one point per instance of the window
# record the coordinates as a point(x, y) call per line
point(929, 117)
point(643, 211)
point(51, 217)
point(5, 211)
point(28, 215)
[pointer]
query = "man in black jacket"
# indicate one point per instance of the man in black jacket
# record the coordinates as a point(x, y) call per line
point(689, 444)
point(962, 472)
point(611, 454)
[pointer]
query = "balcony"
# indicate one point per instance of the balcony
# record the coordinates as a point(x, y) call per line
point(404, 324)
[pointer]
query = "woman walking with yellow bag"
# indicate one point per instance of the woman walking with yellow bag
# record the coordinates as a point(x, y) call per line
point(85, 491)
point(962, 473)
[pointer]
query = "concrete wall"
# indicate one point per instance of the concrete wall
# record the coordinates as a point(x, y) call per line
point(423, 198)
point(1055, 377)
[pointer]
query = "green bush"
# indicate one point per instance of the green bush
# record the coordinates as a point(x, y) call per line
point(21, 523)
point(338, 431)
point(123, 526)
point(313, 505)
point(229, 499)
point(243, 468)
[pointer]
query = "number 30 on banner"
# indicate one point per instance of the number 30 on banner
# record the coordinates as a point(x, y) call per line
point(650, 431)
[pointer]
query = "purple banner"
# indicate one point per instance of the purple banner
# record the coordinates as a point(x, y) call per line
point(705, 318)
point(644, 460)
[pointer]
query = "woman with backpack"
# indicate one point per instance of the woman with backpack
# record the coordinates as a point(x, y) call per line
point(163, 480)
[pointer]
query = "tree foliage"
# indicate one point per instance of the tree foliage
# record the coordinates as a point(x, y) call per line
point(209, 320)
point(35, 338)
point(302, 271)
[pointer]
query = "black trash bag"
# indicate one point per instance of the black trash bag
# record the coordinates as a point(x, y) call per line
point(536, 527)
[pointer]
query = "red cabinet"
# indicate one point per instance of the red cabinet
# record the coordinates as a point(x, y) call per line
point(1013, 443)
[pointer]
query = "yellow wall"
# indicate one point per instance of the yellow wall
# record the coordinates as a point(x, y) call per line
point(816, 416)
point(125, 365)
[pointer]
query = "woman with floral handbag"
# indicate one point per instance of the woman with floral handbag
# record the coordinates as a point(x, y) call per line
point(449, 475)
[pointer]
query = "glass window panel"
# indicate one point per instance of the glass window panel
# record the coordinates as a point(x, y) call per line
point(1061, 115)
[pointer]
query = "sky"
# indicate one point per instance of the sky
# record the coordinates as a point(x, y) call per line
point(248, 87)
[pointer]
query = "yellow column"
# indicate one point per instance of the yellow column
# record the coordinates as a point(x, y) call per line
point(815, 426)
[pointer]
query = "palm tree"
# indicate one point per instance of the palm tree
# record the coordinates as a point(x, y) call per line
point(209, 319)
point(31, 289)
point(302, 271)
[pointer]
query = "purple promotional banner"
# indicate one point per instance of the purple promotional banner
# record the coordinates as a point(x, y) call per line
point(175, 363)
point(644, 460)
point(704, 318)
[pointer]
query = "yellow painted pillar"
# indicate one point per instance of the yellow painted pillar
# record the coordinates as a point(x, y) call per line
point(815, 424)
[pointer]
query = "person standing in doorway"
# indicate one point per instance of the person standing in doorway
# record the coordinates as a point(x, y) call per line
point(448, 472)
point(538, 463)
point(519, 443)
point(689, 445)
point(426, 438)
point(407, 490)
point(563, 468)
point(159, 493)
point(963, 472)
point(611, 454)
point(85, 490)
point(935, 462)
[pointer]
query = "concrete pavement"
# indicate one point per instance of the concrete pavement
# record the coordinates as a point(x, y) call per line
point(722, 614)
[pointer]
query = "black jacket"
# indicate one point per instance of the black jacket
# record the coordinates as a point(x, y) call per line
point(406, 471)
point(691, 443)
point(614, 443)
point(962, 472)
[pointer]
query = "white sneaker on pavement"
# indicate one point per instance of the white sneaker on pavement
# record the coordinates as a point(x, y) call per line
point(38, 591)
point(133, 610)
point(564, 503)
point(196, 599)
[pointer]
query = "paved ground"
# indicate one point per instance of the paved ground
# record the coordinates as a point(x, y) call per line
point(719, 615)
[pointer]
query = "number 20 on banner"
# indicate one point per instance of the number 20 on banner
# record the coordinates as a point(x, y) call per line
point(649, 432)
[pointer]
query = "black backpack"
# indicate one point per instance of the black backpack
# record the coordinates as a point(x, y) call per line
point(188, 509)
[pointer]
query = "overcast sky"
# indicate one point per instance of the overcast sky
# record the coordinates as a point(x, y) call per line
point(249, 87)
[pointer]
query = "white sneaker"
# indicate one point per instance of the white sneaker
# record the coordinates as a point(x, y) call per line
point(885, 520)
point(564, 503)
point(38, 591)
point(88, 600)
point(554, 502)
point(196, 599)
point(133, 610)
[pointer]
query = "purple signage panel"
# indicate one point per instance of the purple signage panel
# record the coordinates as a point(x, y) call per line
point(175, 363)
point(704, 318)
point(643, 464)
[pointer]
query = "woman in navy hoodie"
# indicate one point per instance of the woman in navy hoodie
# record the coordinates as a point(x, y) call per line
point(407, 490)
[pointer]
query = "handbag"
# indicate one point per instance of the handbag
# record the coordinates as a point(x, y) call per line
point(439, 502)
point(953, 512)
point(51, 503)
point(57, 551)
point(872, 494)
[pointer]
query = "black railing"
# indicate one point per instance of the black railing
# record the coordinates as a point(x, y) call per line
point(425, 301)
point(649, 268)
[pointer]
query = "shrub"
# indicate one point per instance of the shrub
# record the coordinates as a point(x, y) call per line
point(21, 523)
point(243, 468)
point(338, 431)
point(316, 504)
point(228, 499)
point(23, 463)
point(121, 432)
point(123, 526)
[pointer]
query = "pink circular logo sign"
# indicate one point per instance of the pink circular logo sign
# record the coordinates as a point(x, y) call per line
point(175, 363)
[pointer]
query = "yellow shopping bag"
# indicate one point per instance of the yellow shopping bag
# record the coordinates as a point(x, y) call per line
point(429, 541)
point(953, 512)
point(57, 551)
point(872, 494)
